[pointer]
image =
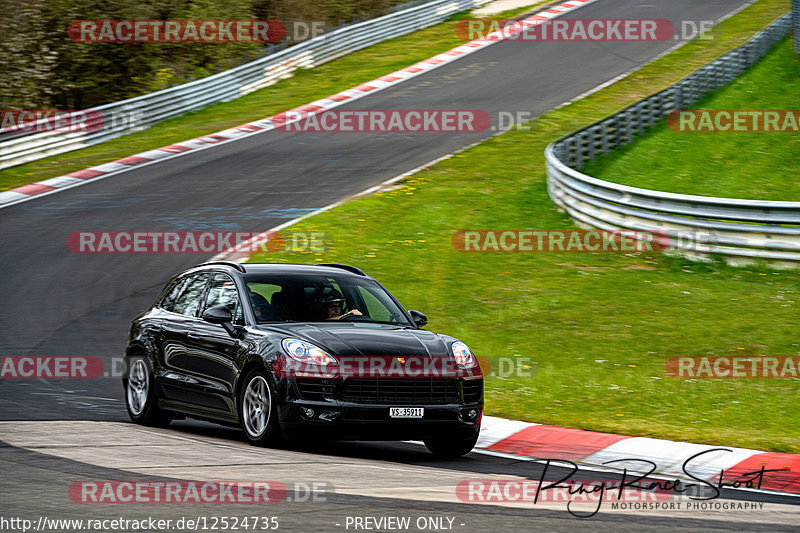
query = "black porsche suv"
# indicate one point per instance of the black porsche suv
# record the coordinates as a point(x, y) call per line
point(300, 350)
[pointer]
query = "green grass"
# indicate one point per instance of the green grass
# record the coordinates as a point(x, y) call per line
point(757, 165)
point(600, 326)
point(305, 86)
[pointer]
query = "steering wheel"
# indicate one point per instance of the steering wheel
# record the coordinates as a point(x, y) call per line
point(349, 316)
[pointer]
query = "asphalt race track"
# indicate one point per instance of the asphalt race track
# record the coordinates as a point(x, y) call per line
point(60, 303)
point(354, 480)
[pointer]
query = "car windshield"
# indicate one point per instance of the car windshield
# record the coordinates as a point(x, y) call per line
point(321, 298)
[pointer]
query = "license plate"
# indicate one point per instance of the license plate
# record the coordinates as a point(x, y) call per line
point(406, 412)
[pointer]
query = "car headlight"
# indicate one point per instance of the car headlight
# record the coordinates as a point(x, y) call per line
point(305, 352)
point(464, 357)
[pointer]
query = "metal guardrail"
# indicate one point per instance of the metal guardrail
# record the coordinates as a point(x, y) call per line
point(796, 24)
point(139, 113)
point(743, 231)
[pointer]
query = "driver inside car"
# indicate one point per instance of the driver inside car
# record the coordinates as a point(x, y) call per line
point(332, 305)
point(261, 307)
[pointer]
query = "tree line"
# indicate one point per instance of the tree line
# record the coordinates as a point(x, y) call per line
point(42, 68)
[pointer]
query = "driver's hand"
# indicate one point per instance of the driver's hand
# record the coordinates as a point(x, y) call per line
point(353, 312)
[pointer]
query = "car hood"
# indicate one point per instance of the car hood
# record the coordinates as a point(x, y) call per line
point(365, 339)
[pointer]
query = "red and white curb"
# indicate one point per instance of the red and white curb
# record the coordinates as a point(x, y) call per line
point(80, 177)
point(596, 449)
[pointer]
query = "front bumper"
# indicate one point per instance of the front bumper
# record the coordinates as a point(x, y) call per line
point(372, 422)
point(456, 416)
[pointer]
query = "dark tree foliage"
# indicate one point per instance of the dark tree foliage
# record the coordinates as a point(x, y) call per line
point(42, 68)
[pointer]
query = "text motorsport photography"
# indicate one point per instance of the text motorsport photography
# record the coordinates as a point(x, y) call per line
point(638, 489)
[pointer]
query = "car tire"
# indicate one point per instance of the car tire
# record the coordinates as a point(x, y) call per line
point(258, 410)
point(140, 394)
point(447, 447)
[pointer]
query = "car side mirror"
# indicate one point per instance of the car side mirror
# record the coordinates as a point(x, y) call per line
point(221, 314)
point(419, 319)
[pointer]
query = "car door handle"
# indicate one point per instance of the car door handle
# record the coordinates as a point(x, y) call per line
point(193, 336)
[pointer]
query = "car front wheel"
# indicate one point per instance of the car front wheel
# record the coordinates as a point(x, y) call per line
point(258, 412)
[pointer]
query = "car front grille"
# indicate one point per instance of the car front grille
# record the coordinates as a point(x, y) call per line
point(388, 391)
point(402, 391)
point(473, 390)
point(316, 389)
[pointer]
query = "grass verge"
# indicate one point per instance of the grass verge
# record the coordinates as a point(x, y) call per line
point(305, 86)
point(600, 326)
point(757, 165)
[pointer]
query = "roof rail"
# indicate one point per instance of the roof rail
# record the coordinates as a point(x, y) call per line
point(237, 266)
point(349, 268)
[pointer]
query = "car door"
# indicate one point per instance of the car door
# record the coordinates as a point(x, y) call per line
point(211, 357)
point(152, 325)
point(180, 319)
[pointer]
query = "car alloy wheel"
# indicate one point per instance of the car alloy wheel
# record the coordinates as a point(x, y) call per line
point(138, 387)
point(258, 410)
point(257, 402)
point(140, 397)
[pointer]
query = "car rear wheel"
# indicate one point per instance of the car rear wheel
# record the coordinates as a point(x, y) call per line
point(447, 447)
point(258, 412)
point(140, 398)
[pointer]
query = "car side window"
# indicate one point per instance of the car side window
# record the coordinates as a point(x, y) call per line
point(169, 300)
point(222, 291)
point(189, 300)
